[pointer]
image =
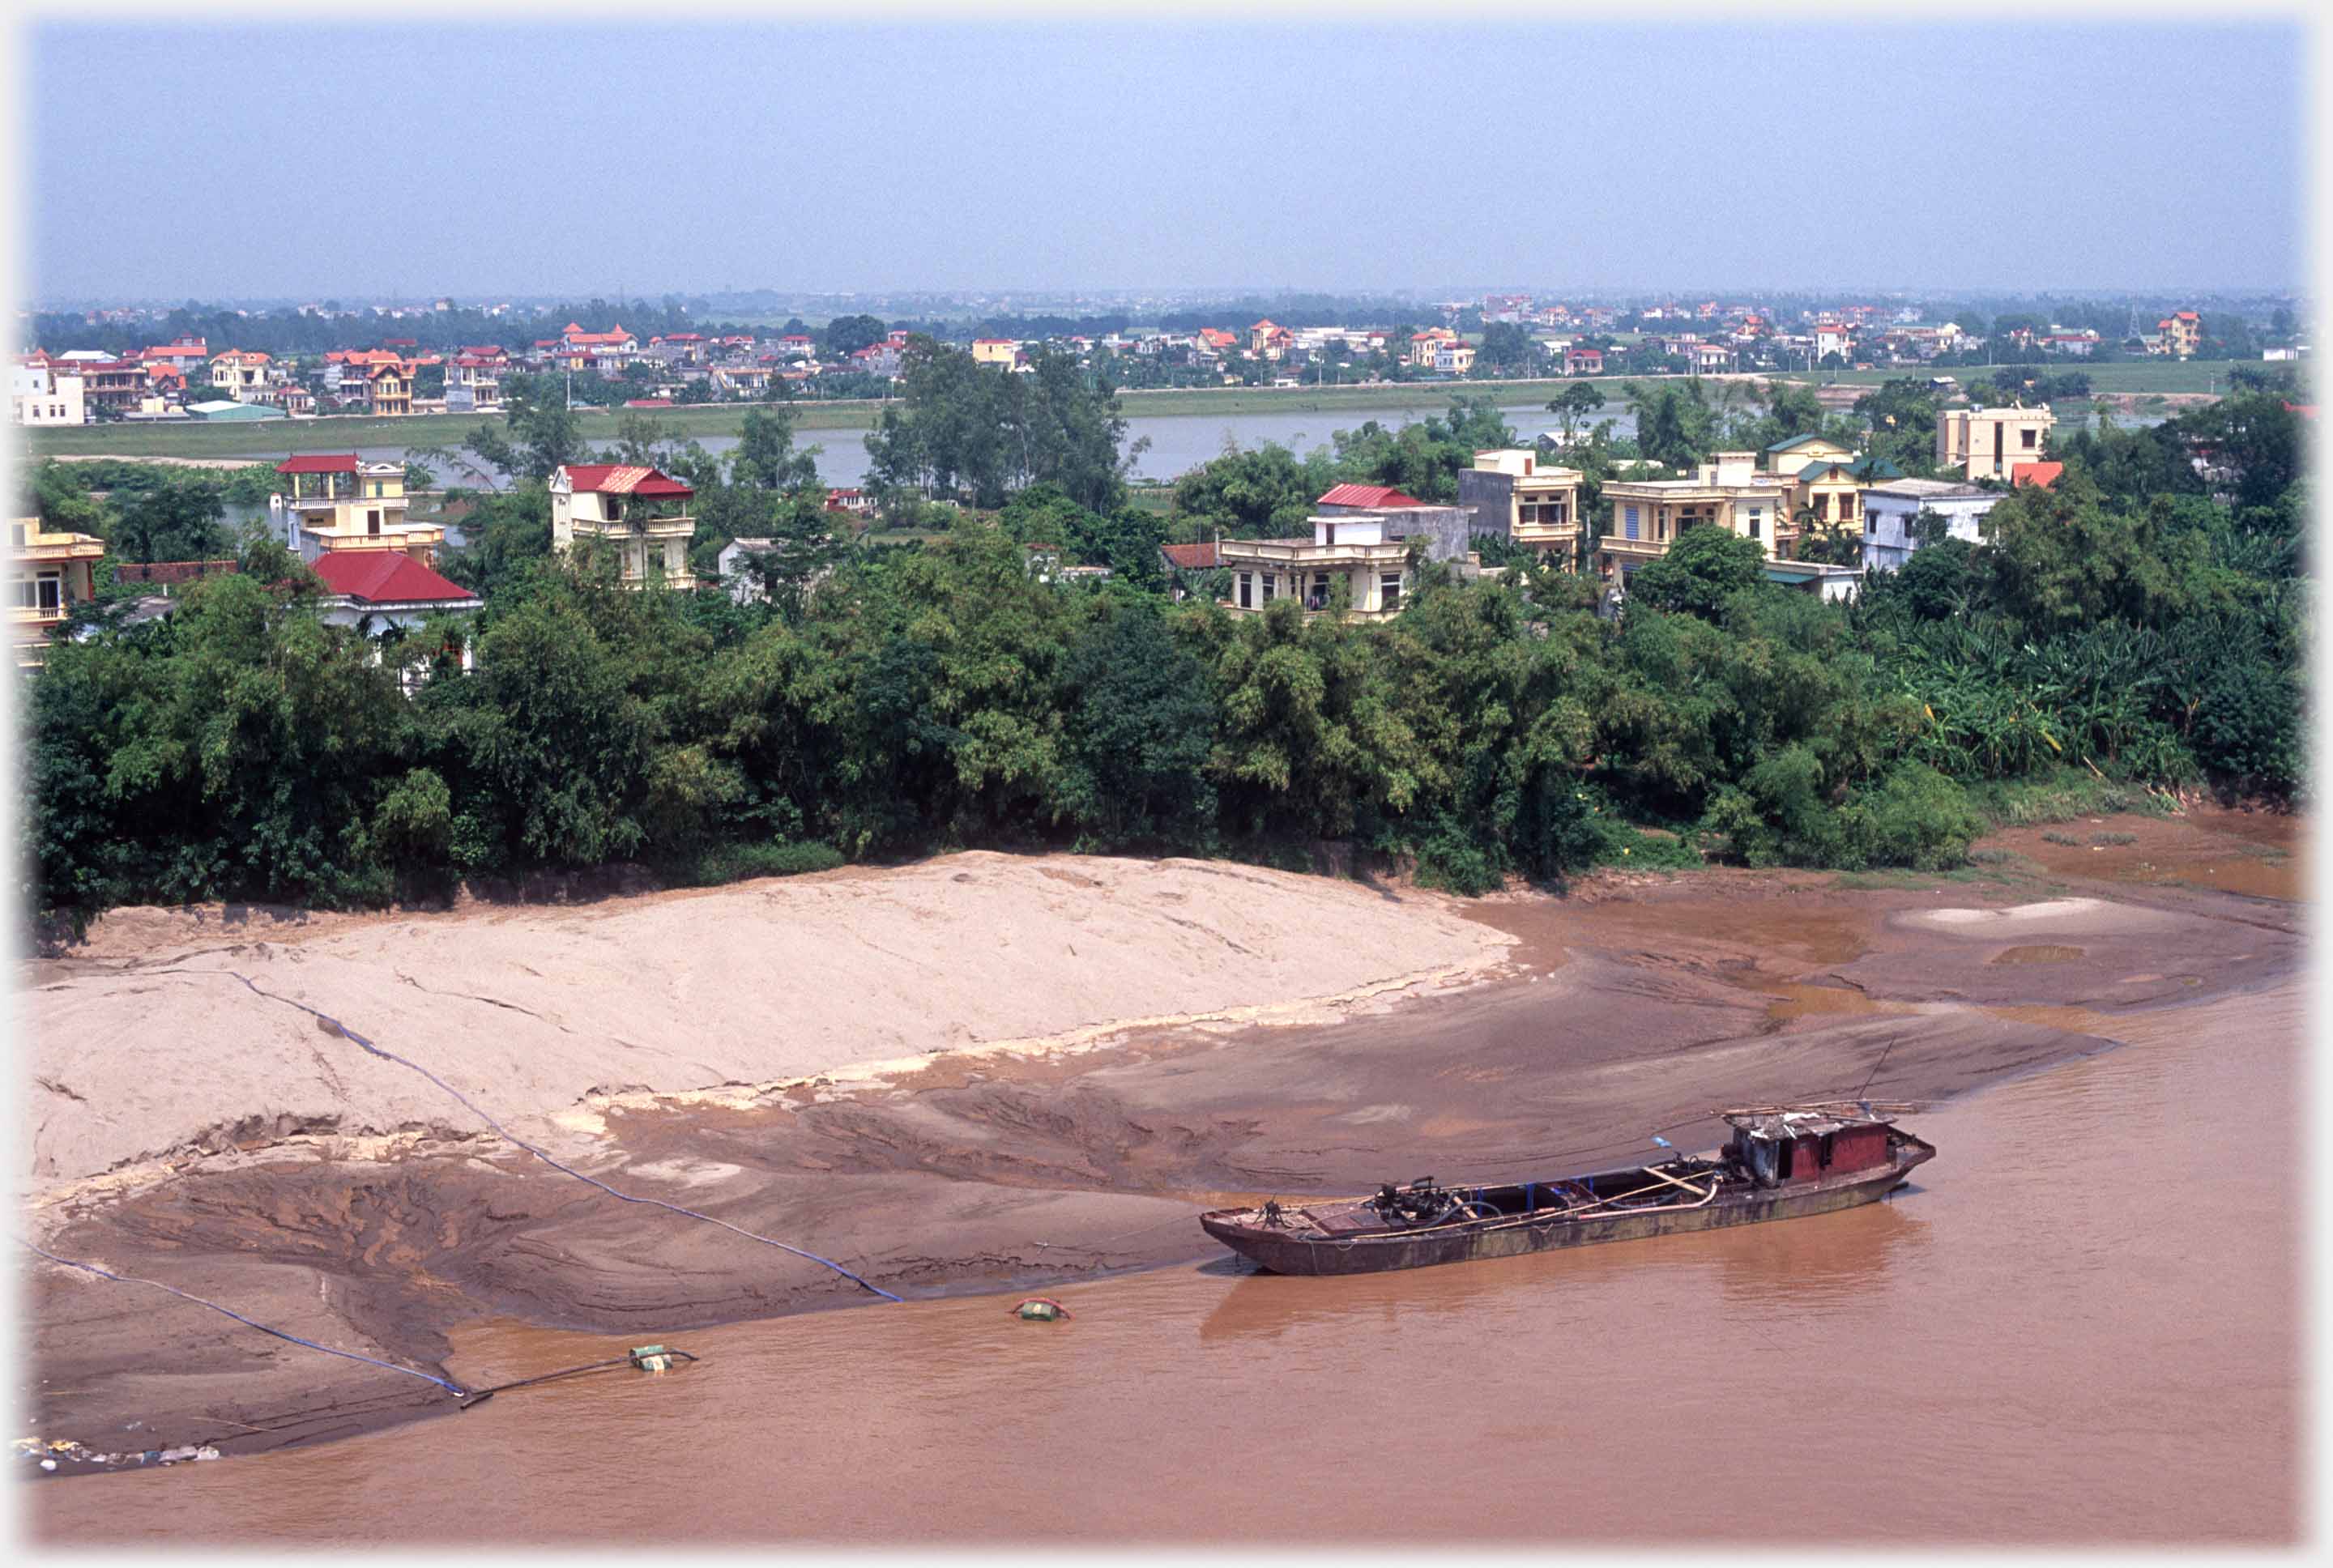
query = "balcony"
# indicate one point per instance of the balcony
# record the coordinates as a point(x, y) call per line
point(1305, 552)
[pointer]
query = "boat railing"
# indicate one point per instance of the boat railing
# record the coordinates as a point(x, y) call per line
point(1699, 1196)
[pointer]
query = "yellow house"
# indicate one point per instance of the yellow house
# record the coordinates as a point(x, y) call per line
point(1989, 443)
point(639, 512)
point(1535, 505)
point(339, 502)
point(2182, 333)
point(389, 389)
point(1826, 494)
point(1424, 346)
point(1003, 351)
point(1791, 455)
point(48, 574)
point(1728, 492)
point(1350, 548)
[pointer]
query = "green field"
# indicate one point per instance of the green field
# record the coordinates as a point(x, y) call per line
point(274, 437)
point(2207, 375)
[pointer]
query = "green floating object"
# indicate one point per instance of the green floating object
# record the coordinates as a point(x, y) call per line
point(1037, 1309)
point(651, 1357)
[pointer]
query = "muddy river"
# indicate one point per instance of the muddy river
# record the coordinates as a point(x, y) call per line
point(2080, 1324)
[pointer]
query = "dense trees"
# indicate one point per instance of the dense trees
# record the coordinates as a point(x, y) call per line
point(960, 428)
point(2141, 617)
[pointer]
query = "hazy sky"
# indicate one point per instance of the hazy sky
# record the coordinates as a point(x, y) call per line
point(208, 162)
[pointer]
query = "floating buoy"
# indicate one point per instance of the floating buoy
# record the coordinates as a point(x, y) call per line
point(1041, 1309)
point(651, 1357)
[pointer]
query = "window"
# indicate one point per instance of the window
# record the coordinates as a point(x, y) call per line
point(1328, 533)
point(1270, 586)
point(1389, 591)
point(22, 593)
point(1247, 590)
point(51, 592)
point(1754, 518)
point(372, 521)
point(1319, 596)
point(2027, 435)
point(1629, 522)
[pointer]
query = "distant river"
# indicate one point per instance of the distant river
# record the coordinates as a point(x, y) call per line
point(1178, 442)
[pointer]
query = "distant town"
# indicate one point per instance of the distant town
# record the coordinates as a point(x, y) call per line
point(396, 361)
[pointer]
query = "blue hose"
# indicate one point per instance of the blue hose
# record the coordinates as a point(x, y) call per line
point(540, 1155)
point(455, 1388)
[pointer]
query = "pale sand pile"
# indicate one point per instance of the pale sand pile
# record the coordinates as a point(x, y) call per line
point(528, 1011)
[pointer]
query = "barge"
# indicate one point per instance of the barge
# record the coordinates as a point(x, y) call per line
point(1783, 1162)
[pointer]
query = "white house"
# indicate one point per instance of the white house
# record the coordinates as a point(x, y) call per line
point(1889, 510)
point(40, 393)
point(384, 595)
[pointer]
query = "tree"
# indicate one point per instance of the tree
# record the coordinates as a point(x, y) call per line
point(178, 520)
point(1505, 348)
point(1574, 404)
point(1704, 568)
point(1140, 731)
point(765, 458)
point(1675, 425)
point(804, 546)
point(846, 335)
point(540, 434)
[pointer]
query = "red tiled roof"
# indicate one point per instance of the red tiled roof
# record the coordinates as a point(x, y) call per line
point(1200, 557)
point(385, 577)
point(576, 334)
point(2043, 474)
point(2306, 410)
point(647, 402)
point(1365, 495)
point(623, 479)
point(319, 463)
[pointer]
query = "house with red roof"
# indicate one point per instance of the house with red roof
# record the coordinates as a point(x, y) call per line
point(180, 354)
point(2179, 334)
point(1269, 339)
point(639, 512)
point(388, 599)
point(1363, 497)
point(474, 380)
point(1578, 361)
point(242, 373)
point(336, 503)
point(2042, 475)
point(577, 350)
point(1423, 346)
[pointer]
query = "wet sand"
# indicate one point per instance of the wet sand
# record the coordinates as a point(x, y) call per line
point(1632, 1005)
point(2013, 1349)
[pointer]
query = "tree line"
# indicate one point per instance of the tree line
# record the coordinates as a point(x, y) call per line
point(894, 693)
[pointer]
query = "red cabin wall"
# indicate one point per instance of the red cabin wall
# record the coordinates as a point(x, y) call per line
point(1858, 1148)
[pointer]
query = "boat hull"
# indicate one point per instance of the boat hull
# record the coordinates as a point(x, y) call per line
point(1284, 1254)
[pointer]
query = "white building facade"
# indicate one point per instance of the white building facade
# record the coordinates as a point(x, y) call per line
point(1891, 510)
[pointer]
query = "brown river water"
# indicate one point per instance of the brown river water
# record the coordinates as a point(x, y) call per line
point(2081, 1325)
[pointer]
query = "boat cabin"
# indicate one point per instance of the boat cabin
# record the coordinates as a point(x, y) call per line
point(1782, 1147)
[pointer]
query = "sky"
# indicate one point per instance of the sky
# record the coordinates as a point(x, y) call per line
point(311, 162)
